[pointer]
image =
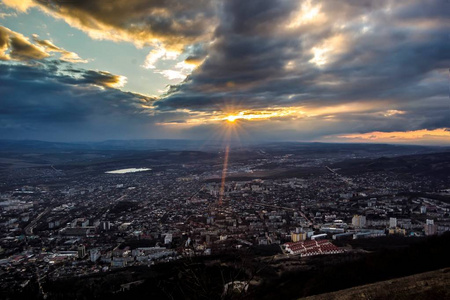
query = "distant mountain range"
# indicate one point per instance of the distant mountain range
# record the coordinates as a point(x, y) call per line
point(17, 145)
point(180, 144)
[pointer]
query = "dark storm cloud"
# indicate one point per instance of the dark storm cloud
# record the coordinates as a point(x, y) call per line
point(197, 53)
point(39, 103)
point(380, 51)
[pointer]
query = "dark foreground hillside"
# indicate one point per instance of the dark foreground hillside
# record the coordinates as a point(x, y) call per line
point(429, 285)
point(428, 255)
point(270, 277)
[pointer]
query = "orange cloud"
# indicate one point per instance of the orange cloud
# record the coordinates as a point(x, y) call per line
point(15, 46)
point(20, 48)
point(104, 79)
point(171, 23)
point(422, 136)
point(20, 5)
point(65, 55)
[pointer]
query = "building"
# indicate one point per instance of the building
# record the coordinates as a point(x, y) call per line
point(330, 229)
point(398, 231)
point(168, 238)
point(359, 221)
point(368, 233)
point(118, 262)
point(124, 226)
point(342, 236)
point(105, 225)
point(319, 236)
point(298, 235)
point(311, 248)
point(94, 255)
point(430, 228)
point(81, 251)
point(76, 232)
point(392, 222)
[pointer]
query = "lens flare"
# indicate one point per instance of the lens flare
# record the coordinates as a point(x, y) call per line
point(224, 174)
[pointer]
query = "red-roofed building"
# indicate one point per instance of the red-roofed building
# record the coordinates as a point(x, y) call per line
point(310, 248)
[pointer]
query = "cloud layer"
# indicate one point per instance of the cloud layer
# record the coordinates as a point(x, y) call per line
point(48, 101)
point(305, 55)
point(270, 54)
point(283, 68)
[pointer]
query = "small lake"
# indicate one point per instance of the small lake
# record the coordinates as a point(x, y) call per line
point(130, 170)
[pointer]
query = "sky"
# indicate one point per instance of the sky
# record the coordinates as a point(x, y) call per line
point(256, 70)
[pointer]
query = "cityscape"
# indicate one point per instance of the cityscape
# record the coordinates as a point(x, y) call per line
point(224, 149)
point(90, 215)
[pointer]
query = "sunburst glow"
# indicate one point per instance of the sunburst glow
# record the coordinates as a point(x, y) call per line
point(232, 115)
point(231, 118)
point(224, 174)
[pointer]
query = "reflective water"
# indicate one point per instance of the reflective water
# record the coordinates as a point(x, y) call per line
point(130, 170)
